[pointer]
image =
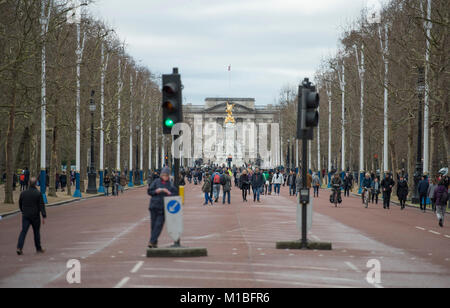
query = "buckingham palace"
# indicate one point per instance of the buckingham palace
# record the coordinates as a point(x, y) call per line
point(249, 134)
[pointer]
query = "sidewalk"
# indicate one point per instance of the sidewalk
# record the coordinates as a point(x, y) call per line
point(62, 198)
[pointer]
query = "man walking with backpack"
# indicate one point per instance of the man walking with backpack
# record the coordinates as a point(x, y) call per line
point(216, 180)
point(257, 184)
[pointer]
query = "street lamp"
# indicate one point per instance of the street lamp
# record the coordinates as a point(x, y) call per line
point(137, 180)
point(92, 176)
point(419, 165)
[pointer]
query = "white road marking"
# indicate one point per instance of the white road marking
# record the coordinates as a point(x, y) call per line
point(137, 267)
point(122, 283)
point(250, 280)
point(260, 264)
point(434, 232)
point(353, 267)
point(420, 228)
point(447, 236)
point(378, 286)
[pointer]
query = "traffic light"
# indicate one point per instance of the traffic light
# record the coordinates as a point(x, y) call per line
point(308, 116)
point(172, 101)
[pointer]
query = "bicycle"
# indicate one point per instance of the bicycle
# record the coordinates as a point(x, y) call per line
point(336, 193)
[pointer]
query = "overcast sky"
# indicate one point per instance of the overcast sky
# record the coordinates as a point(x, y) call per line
point(268, 43)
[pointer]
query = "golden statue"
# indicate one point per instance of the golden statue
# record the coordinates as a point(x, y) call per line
point(230, 118)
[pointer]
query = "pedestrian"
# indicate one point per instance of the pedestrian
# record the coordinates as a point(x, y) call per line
point(206, 188)
point(291, 183)
point(375, 189)
point(430, 193)
point(402, 192)
point(22, 181)
point(441, 197)
point(423, 191)
point(159, 189)
point(316, 185)
point(257, 184)
point(123, 182)
point(387, 184)
point(226, 186)
point(57, 184)
point(216, 181)
point(14, 181)
point(32, 206)
point(277, 180)
point(348, 183)
point(107, 182)
point(63, 181)
point(244, 183)
point(27, 177)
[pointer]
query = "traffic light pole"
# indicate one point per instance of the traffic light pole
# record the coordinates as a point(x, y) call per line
point(304, 180)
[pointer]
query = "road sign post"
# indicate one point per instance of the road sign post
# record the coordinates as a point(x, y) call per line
point(173, 210)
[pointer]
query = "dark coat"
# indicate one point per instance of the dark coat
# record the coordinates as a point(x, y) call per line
point(440, 194)
point(227, 186)
point(387, 183)
point(423, 186)
point(244, 182)
point(257, 180)
point(157, 201)
point(402, 190)
point(32, 204)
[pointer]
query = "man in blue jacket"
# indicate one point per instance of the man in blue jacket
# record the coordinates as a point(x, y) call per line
point(159, 189)
point(423, 192)
point(257, 184)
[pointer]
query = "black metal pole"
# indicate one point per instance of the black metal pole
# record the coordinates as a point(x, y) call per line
point(304, 186)
point(92, 185)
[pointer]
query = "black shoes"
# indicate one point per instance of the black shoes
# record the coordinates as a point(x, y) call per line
point(19, 252)
point(441, 223)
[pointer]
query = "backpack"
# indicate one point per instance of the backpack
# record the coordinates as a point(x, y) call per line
point(217, 179)
point(223, 180)
point(22, 177)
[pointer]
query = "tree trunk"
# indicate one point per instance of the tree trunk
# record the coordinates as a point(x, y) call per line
point(411, 155)
point(10, 141)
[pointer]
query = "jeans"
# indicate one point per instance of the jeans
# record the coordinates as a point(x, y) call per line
point(375, 197)
point(26, 223)
point(270, 188)
point(157, 224)
point(208, 198)
point(216, 191)
point(256, 193)
point(106, 191)
point(423, 201)
point(225, 193)
point(277, 188)
point(291, 190)
point(316, 191)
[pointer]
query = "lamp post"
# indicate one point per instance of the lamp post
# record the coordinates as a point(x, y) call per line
point(137, 177)
point(92, 176)
point(419, 165)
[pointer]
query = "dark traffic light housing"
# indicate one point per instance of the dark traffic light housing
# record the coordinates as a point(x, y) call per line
point(308, 116)
point(172, 101)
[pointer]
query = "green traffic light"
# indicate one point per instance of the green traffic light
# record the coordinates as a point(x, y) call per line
point(168, 123)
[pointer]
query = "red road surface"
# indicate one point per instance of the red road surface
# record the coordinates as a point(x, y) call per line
point(109, 236)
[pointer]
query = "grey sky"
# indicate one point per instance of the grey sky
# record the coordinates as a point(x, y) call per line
point(269, 43)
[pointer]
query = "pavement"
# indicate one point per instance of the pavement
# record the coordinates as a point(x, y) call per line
point(108, 236)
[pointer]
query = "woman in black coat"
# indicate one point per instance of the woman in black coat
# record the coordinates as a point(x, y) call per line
point(244, 184)
point(402, 192)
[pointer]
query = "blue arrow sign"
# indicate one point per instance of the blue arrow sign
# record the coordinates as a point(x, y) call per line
point(173, 207)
